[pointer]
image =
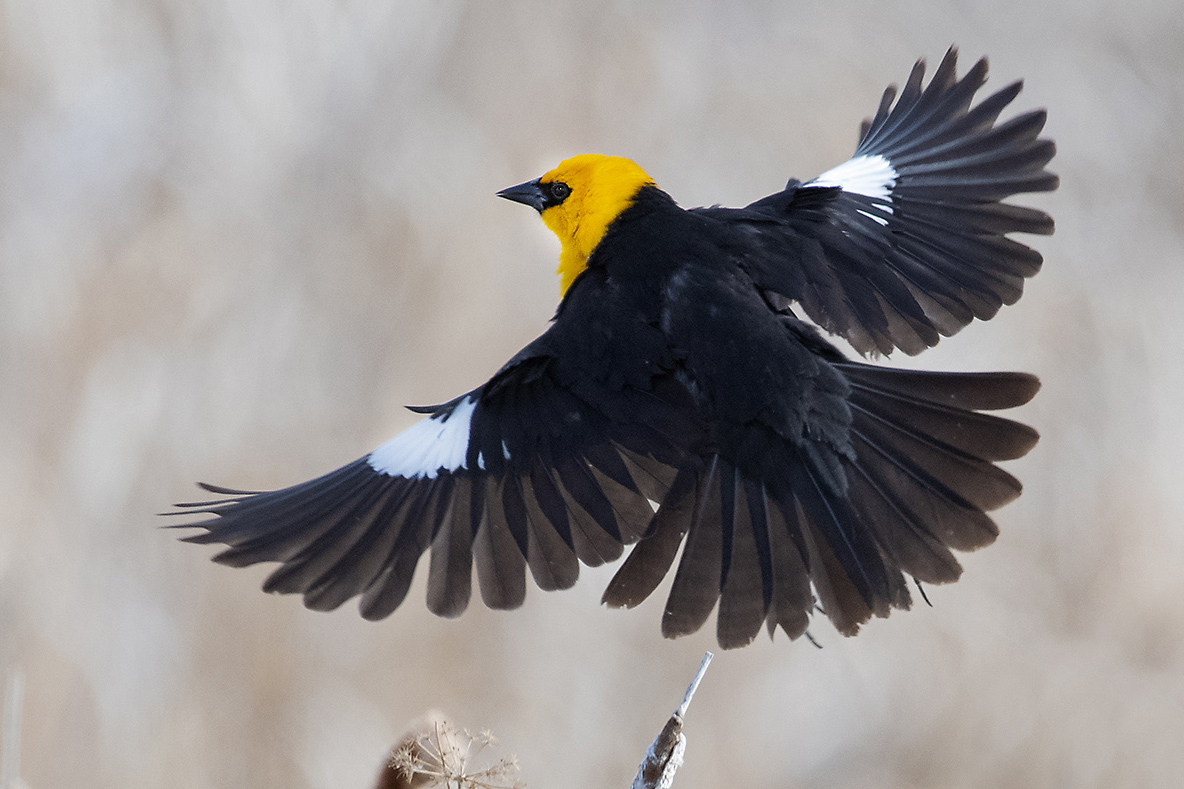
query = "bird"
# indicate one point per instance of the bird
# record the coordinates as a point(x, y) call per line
point(686, 396)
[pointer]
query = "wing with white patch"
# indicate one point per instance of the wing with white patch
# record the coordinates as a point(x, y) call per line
point(908, 240)
point(519, 473)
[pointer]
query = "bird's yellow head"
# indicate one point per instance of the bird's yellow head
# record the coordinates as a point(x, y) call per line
point(578, 200)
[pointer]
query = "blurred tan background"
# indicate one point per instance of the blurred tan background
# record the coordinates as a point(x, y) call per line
point(237, 236)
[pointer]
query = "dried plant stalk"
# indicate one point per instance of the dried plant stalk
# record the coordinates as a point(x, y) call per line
point(665, 755)
point(436, 753)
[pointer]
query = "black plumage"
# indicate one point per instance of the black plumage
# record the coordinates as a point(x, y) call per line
point(678, 401)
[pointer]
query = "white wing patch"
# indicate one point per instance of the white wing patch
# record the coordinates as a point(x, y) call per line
point(870, 176)
point(877, 219)
point(427, 447)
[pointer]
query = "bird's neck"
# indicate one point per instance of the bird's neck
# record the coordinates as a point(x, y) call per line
point(572, 262)
point(578, 242)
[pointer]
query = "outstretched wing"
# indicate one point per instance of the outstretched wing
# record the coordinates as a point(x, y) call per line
point(520, 472)
point(907, 241)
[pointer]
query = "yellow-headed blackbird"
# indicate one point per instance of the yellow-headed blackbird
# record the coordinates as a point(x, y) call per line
point(678, 397)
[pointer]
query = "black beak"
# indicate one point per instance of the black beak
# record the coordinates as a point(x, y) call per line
point(528, 193)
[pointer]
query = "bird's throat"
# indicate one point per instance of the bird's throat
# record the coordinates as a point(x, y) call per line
point(572, 262)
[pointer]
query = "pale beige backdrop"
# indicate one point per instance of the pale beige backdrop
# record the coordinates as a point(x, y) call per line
point(236, 236)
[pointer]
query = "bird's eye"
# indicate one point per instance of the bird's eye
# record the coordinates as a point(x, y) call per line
point(560, 191)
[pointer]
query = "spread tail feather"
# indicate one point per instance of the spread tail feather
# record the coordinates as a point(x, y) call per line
point(919, 480)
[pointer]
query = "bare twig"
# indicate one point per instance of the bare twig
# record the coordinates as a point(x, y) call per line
point(665, 755)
